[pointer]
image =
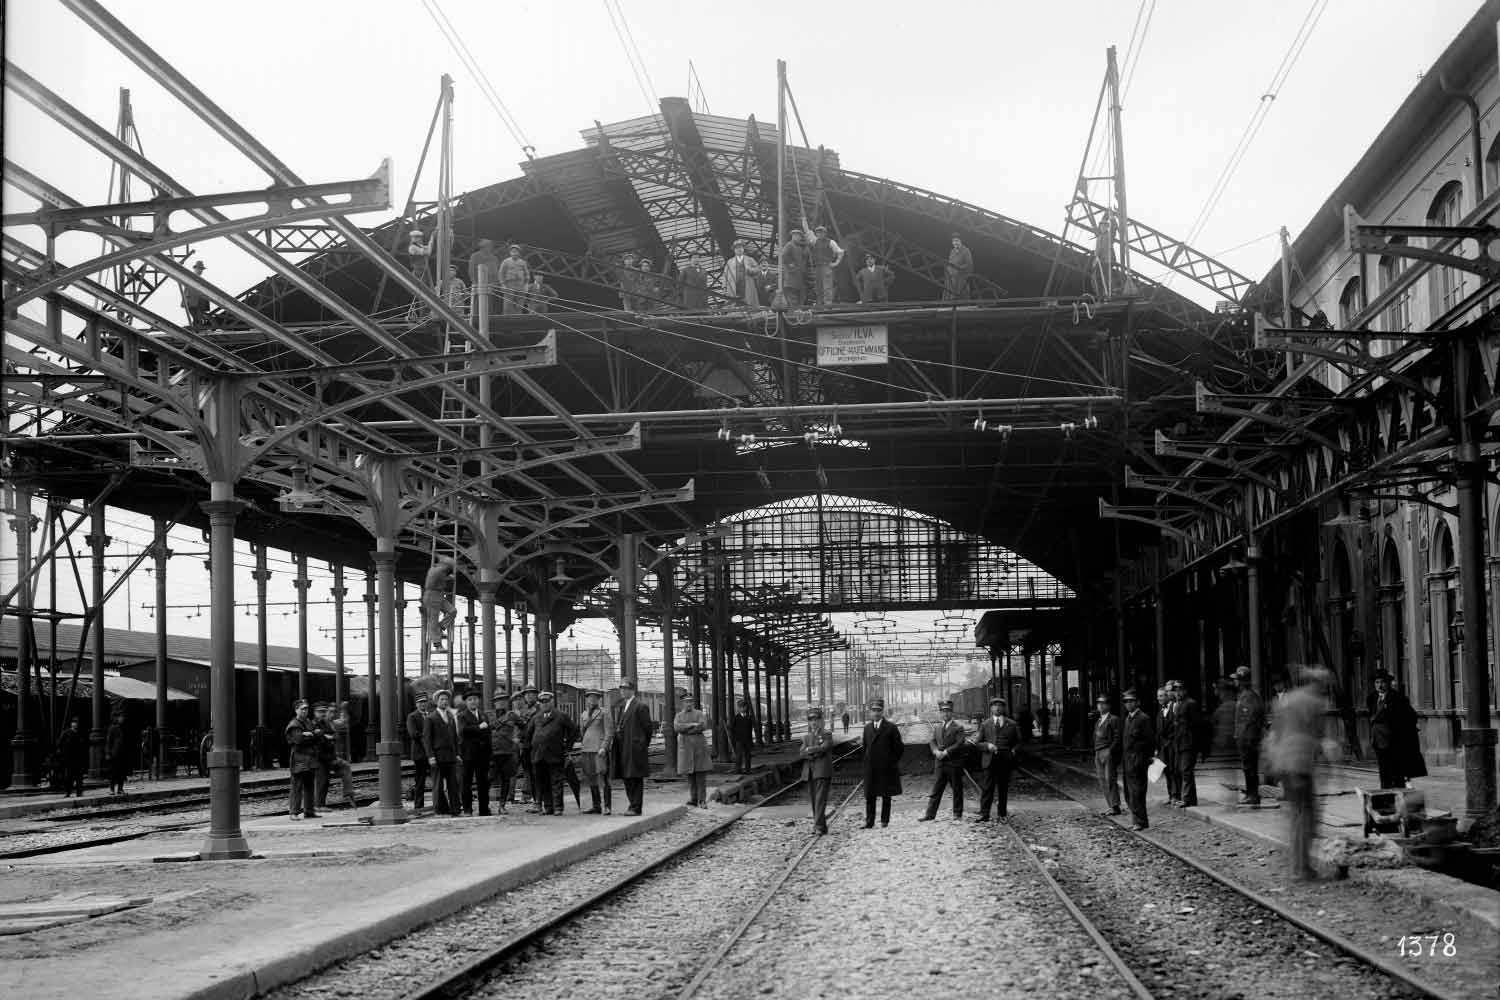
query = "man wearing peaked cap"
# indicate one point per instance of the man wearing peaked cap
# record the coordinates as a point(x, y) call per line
point(882, 765)
point(415, 721)
point(1000, 741)
point(948, 762)
point(552, 735)
point(1138, 738)
point(817, 766)
point(597, 726)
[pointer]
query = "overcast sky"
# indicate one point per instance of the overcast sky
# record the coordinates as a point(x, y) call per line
point(989, 102)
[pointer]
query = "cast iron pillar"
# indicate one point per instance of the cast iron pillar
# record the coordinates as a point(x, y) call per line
point(224, 840)
point(302, 583)
point(629, 578)
point(400, 653)
point(161, 553)
point(339, 592)
point(262, 577)
point(388, 811)
point(97, 542)
point(25, 757)
point(669, 684)
point(1478, 736)
point(372, 660)
point(525, 649)
point(488, 585)
point(762, 710)
point(510, 681)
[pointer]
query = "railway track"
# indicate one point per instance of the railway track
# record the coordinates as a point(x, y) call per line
point(1147, 904)
point(18, 844)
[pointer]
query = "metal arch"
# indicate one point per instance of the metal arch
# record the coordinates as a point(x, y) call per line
point(1168, 487)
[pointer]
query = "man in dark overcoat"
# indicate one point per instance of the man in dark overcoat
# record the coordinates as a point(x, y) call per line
point(552, 736)
point(440, 734)
point(633, 732)
point(1139, 740)
point(302, 739)
point(1187, 725)
point(415, 724)
point(474, 750)
point(1393, 734)
point(883, 748)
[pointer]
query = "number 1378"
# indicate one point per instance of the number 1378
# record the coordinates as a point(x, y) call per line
point(1428, 946)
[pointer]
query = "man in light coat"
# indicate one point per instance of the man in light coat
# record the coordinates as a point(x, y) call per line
point(816, 752)
point(598, 728)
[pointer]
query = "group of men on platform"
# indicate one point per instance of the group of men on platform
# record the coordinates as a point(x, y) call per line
point(318, 750)
point(469, 752)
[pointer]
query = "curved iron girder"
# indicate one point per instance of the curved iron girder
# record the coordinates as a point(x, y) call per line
point(1167, 486)
point(1145, 515)
point(629, 501)
point(1206, 401)
point(1167, 448)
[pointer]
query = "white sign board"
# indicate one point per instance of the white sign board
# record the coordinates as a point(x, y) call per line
point(852, 345)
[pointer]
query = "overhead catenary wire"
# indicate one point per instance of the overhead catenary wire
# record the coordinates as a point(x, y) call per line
point(476, 72)
point(1257, 119)
point(1137, 43)
point(638, 69)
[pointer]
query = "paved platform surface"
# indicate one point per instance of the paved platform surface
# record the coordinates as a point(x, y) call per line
point(1340, 814)
point(317, 891)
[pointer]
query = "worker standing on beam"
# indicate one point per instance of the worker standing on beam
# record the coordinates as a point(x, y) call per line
point(195, 303)
point(794, 262)
point(960, 268)
point(515, 275)
point(826, 255)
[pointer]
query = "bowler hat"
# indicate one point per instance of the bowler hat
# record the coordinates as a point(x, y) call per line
point(499, 696)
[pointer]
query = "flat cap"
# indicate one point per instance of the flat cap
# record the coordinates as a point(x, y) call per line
point(595, 692)
point(878, 703)
point(814, 713)
point(945, 706)
point(544, 696)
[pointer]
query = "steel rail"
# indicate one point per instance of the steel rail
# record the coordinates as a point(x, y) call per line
point(478, 971)
point(722, 952)
point(1331, 937)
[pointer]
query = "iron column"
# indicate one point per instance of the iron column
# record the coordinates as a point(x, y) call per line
point(302, 583)
point(372, 718)
point(389, 810)
point(224, 839)
point(162, 554)
point(24, 770)
point(487, 589)
point(340, 688)
point(97, 541)
point(262, 677)
point(669, 687)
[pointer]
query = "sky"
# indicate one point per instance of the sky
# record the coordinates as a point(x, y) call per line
point(989, 102)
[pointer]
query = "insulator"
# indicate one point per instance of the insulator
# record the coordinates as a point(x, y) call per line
point(980, 424)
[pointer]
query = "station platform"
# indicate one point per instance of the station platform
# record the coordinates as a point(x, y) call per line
point(315, 892)
point(1340, 815)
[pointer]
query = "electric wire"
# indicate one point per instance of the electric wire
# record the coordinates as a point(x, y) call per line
point(637, 65)
point(1257, 119)
point(476, 72)
point(1136, 44)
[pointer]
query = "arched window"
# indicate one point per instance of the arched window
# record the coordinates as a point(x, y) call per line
point(1398, 313)
point(1492, 165)
point(1351, 302)
point(1446, 284)
point(1393, 614)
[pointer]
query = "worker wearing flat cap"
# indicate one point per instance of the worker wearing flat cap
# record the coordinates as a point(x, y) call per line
point(882, 766)
point(552, 735)
point(795, 261)
point(816, 752)
point(515, 275)
point(597, 725)
point(633, 731)
point(524, 713)
point(195, 303)
point(999, 741)
point(826, 256)
point(949, 752)
point(958, 270)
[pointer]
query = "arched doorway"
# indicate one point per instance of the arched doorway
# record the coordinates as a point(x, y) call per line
point(1440, 681)
point(1393, 654)
point(1347, 643)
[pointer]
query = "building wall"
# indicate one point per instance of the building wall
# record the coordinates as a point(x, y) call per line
point(1422, 539)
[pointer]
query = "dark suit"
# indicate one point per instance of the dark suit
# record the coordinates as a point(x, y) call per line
point(1394, 737)
point(742, 736)
point(1108, 749)
point(418, 758)
point(1166, 748)
point(633, 732)
point(1249, 729)
point(1139, 740)
point(1005, 737)
point(1185, 729)
point(552, 735)
point(441, 737)
point(949, 739)
point(474, 750)
point(883, 749)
